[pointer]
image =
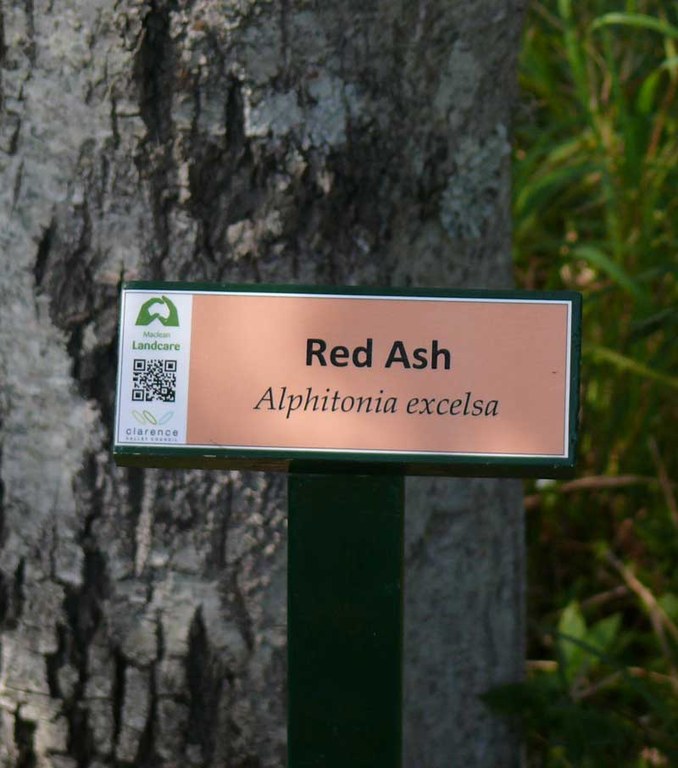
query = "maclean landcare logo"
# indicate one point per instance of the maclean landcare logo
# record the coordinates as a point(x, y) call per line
point(161, 309)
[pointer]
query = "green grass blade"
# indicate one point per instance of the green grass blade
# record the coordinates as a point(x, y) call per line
point(598, 258)
point(541, 191)
point(623, 363)
point(647, 93)
point(575, 54)
point(636, 20)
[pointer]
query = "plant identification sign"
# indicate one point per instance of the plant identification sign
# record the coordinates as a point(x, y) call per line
point(431, 381)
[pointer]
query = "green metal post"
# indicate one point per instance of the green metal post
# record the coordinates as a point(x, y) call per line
point(345, 594)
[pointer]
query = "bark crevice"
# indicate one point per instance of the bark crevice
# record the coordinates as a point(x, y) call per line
point(24, 740)
point(206, 678)
point(154, 78)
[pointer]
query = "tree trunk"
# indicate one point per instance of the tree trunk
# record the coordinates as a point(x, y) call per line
point(356, 142)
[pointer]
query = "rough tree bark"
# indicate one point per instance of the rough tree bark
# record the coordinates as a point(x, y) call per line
point(361, 141)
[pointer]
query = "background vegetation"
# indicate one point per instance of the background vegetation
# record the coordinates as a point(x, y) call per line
point(596, 210)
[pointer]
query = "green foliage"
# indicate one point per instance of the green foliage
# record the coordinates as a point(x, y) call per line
point(595, 210)
point(587, 709)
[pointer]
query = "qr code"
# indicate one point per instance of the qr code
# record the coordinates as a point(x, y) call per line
point(154, 380)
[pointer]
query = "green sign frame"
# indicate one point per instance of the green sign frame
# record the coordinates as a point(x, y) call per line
point(364, 462)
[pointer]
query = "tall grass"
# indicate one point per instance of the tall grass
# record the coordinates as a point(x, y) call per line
point(596, 209)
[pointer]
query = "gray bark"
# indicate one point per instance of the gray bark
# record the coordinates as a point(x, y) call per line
point(142, 612)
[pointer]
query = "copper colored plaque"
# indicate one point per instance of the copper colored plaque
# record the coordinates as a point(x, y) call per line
point(264, 378)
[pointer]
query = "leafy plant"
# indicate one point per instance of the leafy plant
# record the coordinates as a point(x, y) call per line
point(595, 210)
point(588, 708)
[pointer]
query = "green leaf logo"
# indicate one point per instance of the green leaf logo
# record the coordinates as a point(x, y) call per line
point(161, 309)
point(146, 417)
